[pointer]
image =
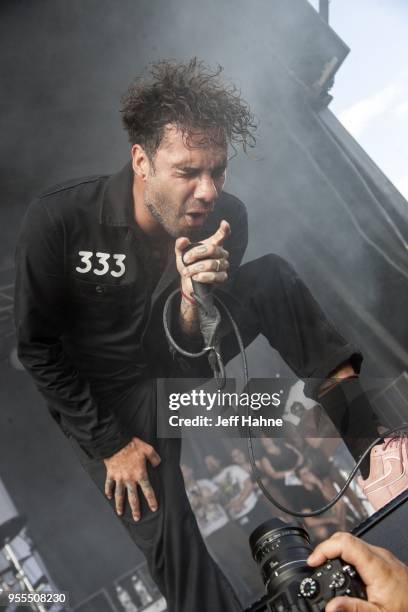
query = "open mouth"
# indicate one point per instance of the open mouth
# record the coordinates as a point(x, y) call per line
point(196, 218)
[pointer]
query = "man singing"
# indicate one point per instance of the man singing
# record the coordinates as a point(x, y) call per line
point(97, 258)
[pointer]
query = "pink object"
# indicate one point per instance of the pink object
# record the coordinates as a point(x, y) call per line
point(388, 471)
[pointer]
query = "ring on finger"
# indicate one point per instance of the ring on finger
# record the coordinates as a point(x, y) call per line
point(218, 265)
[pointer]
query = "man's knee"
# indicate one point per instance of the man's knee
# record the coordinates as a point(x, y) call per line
point(265, 273)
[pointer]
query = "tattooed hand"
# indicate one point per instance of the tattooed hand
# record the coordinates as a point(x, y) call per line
point(125, 471)
point(207, 263)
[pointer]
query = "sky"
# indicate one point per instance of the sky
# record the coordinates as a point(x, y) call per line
point(371, 87)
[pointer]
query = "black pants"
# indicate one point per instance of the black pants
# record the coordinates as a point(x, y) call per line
point(267, 297)
point(169, 538)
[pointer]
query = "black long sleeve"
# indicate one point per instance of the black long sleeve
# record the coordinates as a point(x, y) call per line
point(40, 317)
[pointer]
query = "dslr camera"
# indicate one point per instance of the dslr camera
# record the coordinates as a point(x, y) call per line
point(281, 551)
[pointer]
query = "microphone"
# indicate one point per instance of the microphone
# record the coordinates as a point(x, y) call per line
point(208, 314)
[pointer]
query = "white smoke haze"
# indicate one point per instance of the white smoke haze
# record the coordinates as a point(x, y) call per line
point(66, 66)
point(63, 68)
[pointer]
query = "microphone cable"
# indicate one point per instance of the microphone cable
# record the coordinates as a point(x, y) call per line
point(221, 378)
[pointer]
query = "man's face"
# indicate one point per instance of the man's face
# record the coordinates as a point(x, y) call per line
point(237, 456)
point(306, 477)
point(184, 181)
point(213, 464)
point(187, 472)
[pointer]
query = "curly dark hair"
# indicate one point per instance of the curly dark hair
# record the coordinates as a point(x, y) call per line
point(191, 96)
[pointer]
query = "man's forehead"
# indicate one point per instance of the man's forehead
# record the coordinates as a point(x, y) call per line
point(185, 146)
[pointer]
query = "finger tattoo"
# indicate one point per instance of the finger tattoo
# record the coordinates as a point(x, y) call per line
point(109, 486)
point(120, 489)
point(145, 483)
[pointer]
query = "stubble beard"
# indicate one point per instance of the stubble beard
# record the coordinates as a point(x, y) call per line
point(157, 204)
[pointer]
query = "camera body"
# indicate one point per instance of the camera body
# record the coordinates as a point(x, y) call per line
point(313, 592)
point(281, 551)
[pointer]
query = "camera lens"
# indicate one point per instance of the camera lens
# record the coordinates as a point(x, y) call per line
point(280, 550)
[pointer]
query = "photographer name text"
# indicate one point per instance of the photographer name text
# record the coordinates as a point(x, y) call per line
point(219, 400)
point(234, 420)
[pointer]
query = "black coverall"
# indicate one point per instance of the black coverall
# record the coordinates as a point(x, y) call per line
point(88, 320)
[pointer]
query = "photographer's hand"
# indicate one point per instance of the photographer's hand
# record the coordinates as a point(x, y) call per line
point(125, 470)
point(385, 577)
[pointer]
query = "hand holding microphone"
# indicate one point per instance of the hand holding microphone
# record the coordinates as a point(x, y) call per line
point(201, 266)
point(206, 263)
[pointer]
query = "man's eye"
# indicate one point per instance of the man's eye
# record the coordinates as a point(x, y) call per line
point(187, 174)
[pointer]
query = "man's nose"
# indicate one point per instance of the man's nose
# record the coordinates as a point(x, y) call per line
point(206, 190)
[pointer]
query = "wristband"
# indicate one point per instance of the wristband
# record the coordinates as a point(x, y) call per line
point(188, 298)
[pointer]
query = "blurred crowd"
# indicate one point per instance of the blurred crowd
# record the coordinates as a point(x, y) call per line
point(301, 473)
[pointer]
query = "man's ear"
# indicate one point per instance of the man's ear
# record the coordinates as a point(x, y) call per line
point(141, 163)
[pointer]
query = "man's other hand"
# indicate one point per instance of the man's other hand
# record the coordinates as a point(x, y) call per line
point(207, 263)
point(385, 577)
point(125, 471)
